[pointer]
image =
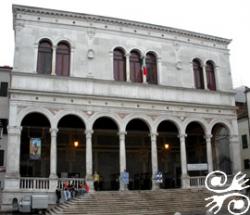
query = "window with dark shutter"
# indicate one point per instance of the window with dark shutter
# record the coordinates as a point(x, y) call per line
point(135, 67)
point(198, 74)
point(62, 59)
point(246, 164)
point(211, 84)
point(119, 65)
point(151, 65)
point(4, 89)
point(44, 60)
point(244, 141)
point(1, 157)
point(4, 125)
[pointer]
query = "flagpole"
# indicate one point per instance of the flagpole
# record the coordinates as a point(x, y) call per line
point(144, 70)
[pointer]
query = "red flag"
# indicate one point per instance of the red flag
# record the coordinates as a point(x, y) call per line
point(144, 67)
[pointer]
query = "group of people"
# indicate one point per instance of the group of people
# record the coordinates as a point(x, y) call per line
point(69, 190)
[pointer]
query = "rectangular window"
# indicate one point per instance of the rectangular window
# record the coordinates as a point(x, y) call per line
point(1, 157)
point(246, 164)
point(4, 89)
point(244, 141)
point(4, 125)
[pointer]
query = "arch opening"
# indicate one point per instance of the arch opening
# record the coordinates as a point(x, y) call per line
point(71, 147)
point(168, 151)
point(138, 155)
point(220, 149)
point(196, 150)
point(106, 154)
point(35, 146)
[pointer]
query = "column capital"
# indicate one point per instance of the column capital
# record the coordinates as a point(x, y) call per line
point(15, 130)
point(153, 134)
point(208, 136)
point(89, 133)
point(121, 133)
point(127, 55)
point(234, 138)
point(53, 131)
point(182, 136)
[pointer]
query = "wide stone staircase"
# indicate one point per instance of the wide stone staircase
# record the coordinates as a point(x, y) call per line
point(167, 202)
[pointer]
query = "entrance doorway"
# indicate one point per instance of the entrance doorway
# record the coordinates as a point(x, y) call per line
point(168, 150)
point(106, 153)
point(138, 155)
point(71, 147)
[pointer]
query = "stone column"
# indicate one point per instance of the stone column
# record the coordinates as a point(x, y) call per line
point(71, 68)
point(53, 160)
point(122, 157)
point(13, 158)
point(154, 159)
point(89, 162)
point(53, 153)
point(204, 76)
point(209, 152)
point(184, 176)
point(128, 67)
point(235, 155)
point(35, 57)
point(53, 72)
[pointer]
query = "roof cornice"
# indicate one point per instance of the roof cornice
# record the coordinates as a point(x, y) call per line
point(109, 20)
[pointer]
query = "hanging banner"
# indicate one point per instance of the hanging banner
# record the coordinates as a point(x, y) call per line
point(35, 148)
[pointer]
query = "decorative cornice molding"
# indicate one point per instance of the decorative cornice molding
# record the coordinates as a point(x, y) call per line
point(108, 20)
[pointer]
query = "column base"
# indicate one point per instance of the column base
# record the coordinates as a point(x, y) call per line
point(155, 186)
point(185, 181)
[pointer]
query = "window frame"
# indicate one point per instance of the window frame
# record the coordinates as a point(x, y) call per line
point(44, 57)
point(119, 64)
point(63, 58)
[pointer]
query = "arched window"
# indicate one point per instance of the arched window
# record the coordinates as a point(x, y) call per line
point(151, 64)
point(62, 59)
point(198, 74)
point(44, 60)
point(135, 67)
point(211, 85)
point(119, 65)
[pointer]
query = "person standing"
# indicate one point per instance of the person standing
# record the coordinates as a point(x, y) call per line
point(125, 179)
point(96, 178)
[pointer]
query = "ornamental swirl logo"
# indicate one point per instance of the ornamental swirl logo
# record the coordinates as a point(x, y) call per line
point(218, 182)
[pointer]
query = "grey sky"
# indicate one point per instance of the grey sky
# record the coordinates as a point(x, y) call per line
point(224, 18)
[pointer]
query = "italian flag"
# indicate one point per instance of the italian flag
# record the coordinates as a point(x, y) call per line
point(144, 67)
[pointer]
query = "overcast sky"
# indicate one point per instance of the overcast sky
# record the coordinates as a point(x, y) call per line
point(224, 18)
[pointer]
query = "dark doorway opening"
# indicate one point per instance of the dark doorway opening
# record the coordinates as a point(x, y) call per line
point(106, 153)
point(138, 155)
point(35, 146)
point(71, 147)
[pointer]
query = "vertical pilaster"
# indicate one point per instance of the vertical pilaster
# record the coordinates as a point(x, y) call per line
point(159, 68)
point(204, 76)
point(154, 159)
point(185, 178)
point(122, 157)
point(71, 69)
point(53, 72)
point(89, 162)
point(235, 153)
point(13, 158)
point(209, 152)
point(128, 67)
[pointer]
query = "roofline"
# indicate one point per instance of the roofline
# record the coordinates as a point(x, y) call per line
point(96, 18)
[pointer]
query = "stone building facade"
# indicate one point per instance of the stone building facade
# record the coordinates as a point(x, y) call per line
point(242, 99)
point(5, 72)
point(133, 95)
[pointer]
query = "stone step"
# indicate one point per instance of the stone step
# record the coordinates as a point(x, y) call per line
point(134, 202)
